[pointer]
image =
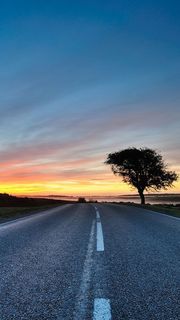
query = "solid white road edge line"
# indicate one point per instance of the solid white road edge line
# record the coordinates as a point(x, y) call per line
point(102, 309)
point(163, 214)
point(32, 216)
point(158, 213)
point(82, 298)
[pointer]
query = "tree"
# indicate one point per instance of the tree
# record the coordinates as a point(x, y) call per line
point(81, 200)
point(142, 168)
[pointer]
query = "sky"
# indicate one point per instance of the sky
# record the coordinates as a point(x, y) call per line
point(81, 79)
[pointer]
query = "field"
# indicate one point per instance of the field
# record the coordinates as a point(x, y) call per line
point(15, 207)
point(173, 210)
point(17, 212)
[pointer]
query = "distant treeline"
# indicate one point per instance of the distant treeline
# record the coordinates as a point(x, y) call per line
point(7, 200)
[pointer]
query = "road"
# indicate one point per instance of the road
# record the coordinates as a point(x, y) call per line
point(90, 261)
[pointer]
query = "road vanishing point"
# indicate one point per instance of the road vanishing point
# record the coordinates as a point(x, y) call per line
point(90, 261)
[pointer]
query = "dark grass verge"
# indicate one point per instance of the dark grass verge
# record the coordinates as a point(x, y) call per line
point(11, 213)
point(12, 207)
point(169, 209)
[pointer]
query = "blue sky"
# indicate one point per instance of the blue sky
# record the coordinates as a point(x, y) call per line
point(80, 79)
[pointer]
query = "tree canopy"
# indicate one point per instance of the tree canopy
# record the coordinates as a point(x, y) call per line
point(143, 168)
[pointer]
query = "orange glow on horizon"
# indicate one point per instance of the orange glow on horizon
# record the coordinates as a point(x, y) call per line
point(88, 177)
point(73, 188)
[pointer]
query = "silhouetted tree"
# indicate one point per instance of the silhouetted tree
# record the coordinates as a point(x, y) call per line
point(81, 200)
point(141, 168)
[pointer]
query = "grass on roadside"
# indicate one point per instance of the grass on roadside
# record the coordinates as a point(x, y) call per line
point(15, 212)
point(167, 209)
point(170, 209)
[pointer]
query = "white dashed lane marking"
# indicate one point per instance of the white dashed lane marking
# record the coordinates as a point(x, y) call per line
point(102, 309)
point(99, 233)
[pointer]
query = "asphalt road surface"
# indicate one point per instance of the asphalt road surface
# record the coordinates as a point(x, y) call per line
point(87, 261)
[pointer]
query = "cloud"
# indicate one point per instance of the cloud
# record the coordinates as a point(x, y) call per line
point(78, 82)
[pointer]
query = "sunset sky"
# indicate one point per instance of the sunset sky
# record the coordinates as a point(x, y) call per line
point(80, 79)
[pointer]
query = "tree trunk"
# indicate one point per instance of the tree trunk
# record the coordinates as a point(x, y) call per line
point(141, 194)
